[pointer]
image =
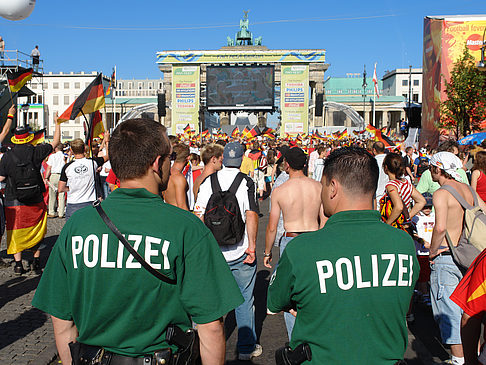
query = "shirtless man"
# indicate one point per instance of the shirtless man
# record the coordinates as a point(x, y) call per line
point(176, 193)
point(445, 275)
point(212, 157)
point(299, 201)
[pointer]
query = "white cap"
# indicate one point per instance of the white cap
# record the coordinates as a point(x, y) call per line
point(448, 162)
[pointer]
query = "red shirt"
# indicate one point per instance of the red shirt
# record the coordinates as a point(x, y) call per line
point(481, 186)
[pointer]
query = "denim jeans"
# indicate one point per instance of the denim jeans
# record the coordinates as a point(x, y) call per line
point(71, 208)
point(444, 277)
point(245, 276)
point(289, 319)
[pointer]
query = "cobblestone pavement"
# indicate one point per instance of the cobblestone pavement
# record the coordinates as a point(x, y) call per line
point(26, 335)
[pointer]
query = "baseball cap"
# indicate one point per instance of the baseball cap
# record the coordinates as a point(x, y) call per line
point(428, 199)
point(233, 154)
point(295, 157)
point(448, 162)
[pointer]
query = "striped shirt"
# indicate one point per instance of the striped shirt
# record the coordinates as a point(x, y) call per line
point(404, 188)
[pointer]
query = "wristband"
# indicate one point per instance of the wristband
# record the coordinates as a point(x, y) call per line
point(251, 251)
point(10, 116)
point(267, 254)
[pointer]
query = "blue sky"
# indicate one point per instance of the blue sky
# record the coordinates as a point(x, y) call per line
point(353, 33)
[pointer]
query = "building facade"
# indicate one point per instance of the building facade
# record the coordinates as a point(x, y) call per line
point(402, 82)
point(55, 92)
point(385, 110)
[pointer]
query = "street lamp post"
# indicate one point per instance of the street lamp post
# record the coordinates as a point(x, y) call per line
point(364, 94)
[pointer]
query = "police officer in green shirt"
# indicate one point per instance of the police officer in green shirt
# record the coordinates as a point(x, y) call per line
point(98, 295)
point(350, 282)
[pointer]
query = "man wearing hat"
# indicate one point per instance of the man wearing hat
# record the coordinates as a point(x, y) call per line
point(299, 201)
point(445, 275)
point(240, 257)
point(26, 221)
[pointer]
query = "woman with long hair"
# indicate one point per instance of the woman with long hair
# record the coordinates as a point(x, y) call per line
point(396, 205)
point(478, 177)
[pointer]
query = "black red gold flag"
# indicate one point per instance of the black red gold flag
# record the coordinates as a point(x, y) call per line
point(17, 79)
point(39, 137)
point(90, 100)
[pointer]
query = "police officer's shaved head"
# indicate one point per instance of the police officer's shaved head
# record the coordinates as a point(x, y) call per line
point(355, 169)
point(135, 145)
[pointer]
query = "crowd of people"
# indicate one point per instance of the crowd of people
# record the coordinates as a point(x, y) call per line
point(359, 226)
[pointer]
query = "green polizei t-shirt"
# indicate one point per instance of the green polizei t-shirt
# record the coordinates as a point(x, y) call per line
point(351, 283)
point(91, 278)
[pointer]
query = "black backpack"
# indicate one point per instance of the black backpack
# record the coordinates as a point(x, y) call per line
point(223, 216)
point(25, 179)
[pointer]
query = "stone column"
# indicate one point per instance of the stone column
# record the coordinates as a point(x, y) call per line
point(262, 119)
point(318, 89)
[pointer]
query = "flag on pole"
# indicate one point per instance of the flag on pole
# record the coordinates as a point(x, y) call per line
point(90, 100)
point(17, 79)
point(255, 131)
point(39, 137)
point(235, 133)
point(96, 127)
point(245, 132)
point(375, 81)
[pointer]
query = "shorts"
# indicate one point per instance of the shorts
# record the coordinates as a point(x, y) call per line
point(424, 275)
point(260, 180)
point(444, 277)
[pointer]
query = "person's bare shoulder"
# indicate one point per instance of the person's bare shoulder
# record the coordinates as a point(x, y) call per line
point(179, 180)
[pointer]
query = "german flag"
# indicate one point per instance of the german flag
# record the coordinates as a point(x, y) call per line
point(96, 127)
point(17, 79)
point(245, 132)
point(255, 131)
point(39, 137)
point(371, 129)
point(268, 132)
point(235, 133)
point(205, 133)
point(187, 129)
point(26, 225)
point(343, 134)
point(383, 138)
point(90, 100)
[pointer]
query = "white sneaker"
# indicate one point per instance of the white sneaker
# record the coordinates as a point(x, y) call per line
point(256, 352)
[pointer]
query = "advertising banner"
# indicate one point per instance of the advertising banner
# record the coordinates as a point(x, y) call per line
point(317, 55)
point(444, 42)
point(185, 98)
point(294, 99)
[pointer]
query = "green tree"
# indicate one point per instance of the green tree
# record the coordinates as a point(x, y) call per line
point(465, 107)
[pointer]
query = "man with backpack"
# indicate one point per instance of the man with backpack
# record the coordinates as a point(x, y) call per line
point(444, 249)
point(227, 204)
point(25, 210)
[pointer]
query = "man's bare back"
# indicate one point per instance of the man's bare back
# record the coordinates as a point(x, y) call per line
point(176, 193)
point(299, 200)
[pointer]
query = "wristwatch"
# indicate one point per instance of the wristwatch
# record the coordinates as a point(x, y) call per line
point(267, 254)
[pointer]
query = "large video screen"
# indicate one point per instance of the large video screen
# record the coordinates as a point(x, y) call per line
point(240, 87)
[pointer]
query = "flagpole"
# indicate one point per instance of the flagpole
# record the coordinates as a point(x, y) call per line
point(374, 94)
point(90, 126)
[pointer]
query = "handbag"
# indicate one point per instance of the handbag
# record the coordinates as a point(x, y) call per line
point(403, 220)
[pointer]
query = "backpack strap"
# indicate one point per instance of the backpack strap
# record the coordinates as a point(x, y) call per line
point(215, 187)
point(475, 195)
point(459, 197)
point(236, 183)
